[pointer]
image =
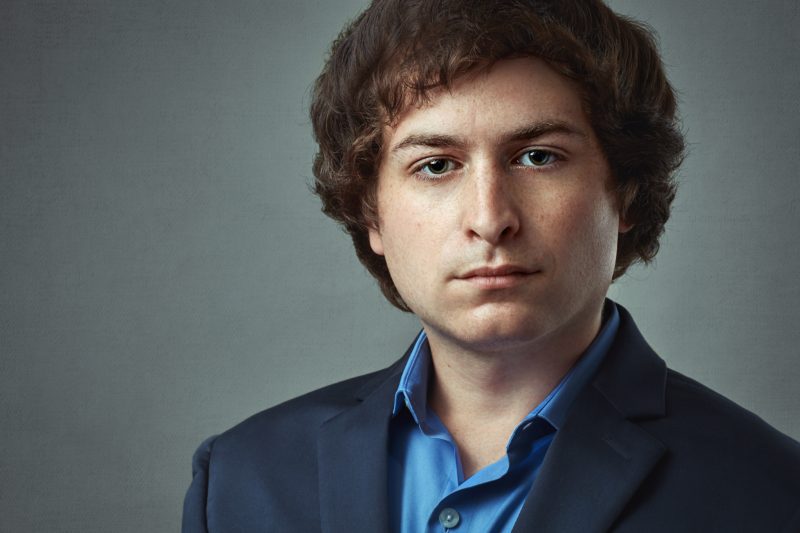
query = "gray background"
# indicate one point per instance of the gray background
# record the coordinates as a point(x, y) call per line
point(165, 272)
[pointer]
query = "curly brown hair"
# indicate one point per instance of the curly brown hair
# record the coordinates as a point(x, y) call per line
point(395, 52)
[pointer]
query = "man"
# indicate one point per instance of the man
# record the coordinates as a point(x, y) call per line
point(497, 165)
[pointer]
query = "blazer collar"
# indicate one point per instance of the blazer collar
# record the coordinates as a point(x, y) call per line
point(600, 456)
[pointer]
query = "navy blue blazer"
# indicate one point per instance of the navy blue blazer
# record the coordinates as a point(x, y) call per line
point(643, 449)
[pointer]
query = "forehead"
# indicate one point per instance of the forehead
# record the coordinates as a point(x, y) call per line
point(511, 95)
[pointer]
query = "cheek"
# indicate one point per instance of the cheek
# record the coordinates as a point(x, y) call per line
point(402, 235)
point(601, 235)
point(409, 220)
point(400, 229)
point(586, 228)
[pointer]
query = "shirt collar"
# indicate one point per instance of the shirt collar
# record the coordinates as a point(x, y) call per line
point(412, 390)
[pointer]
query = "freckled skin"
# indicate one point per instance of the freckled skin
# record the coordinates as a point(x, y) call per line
point(490, 204)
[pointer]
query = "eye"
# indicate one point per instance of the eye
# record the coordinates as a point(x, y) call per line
point(436, 167)
point(537, 158)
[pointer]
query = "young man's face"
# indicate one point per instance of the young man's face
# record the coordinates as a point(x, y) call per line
point(496, 215)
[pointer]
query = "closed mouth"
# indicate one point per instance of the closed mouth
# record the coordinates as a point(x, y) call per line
point(499, 277)
point(498, 271)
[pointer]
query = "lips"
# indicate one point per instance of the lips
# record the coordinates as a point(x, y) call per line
point(497, 277)
point(502, 270)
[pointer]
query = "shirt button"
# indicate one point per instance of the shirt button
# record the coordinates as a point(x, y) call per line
point(449, 518)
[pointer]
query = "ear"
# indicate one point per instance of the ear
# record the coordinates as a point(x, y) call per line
point(624, 226)
point(375, 240)
point(625, 197)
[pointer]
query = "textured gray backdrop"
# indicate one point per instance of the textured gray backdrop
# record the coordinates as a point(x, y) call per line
point(165, 272)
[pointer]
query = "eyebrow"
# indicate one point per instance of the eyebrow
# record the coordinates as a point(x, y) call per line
point(527, 132)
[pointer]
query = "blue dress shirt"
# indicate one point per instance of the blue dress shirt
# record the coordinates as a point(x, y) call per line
point(427, 489)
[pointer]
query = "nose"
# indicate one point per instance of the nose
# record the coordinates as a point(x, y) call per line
point(490, 211)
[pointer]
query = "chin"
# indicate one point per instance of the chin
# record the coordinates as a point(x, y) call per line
point(498, 334)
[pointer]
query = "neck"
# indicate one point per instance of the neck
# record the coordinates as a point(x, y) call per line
point(481, 395)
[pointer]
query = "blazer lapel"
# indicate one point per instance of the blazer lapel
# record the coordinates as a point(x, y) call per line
point(594, 465)
point(353, 486)
point(599, 458)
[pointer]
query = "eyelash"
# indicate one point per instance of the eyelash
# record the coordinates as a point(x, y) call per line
point(424, 176)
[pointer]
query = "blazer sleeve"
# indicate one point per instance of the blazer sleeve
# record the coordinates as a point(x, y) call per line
point(194, 505)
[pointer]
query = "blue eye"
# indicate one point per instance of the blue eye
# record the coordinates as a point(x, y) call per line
point(537, 158)
point(437, 167)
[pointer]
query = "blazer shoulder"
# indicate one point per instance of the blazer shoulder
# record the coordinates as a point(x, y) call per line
point(709, 433)
point(710, 409)
point(264, 470)
point(299, 418)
